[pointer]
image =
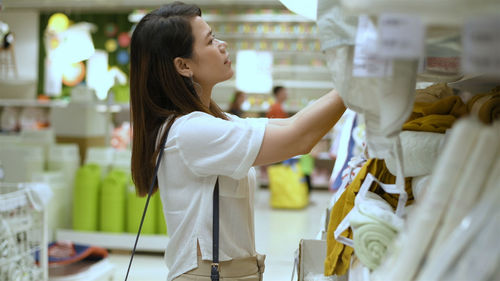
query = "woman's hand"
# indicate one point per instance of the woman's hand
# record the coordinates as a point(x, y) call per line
point(285, 138)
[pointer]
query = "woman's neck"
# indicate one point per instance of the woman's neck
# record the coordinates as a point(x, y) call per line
point(206, 94)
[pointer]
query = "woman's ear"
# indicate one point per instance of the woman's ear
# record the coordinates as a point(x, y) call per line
point(182, 67)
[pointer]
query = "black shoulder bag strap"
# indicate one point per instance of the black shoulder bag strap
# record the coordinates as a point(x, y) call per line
point(153, 182)
point(215, 254)
point(215, 234)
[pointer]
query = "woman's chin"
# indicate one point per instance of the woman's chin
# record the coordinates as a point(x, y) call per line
point(229, 76)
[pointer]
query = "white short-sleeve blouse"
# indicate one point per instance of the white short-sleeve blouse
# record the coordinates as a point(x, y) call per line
point(199, 148)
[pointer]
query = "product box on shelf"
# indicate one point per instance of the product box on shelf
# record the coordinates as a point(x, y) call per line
point(311, 259)
point(17, 89)
point(78, 120)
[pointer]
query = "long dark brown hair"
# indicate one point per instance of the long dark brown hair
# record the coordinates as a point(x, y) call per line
point(157, 90)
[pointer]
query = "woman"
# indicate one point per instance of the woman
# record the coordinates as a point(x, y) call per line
point(238, 100)
point(175, 63)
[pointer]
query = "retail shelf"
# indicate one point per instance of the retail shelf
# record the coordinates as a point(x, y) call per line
point(120, 241)
point(33, 103)
point(293, 84)
point(255, 18)
point(445, 12)
point(122, 5)
point(83, 270)
point(116, 107)
point(300, 69)
point(285, 36)
point(286, 53)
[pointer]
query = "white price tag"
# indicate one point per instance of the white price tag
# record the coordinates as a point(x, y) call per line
point(366, 62)
point(400, 36)
point(481, 46)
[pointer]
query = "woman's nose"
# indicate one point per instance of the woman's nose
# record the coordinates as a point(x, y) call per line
point(222, 44)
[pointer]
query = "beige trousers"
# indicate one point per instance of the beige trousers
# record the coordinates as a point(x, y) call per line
point(245, 269)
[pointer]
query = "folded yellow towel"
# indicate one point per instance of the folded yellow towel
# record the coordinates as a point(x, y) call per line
point(486, 106)
point(452, 105)
point(431, 123)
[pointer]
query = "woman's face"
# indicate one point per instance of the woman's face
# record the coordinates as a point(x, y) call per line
point(210, 63)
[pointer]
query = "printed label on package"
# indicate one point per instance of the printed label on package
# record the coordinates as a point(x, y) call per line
point(400, 36)
point(481, 46)
point(366, 62)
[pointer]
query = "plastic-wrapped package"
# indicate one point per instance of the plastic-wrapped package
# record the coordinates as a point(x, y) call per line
point(403, 264)
point(446, 253)
point(471, 185)
point(335, 28)
point(385, 102)
point(480, 260)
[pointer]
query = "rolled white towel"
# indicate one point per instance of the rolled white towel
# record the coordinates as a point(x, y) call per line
point(420, 151)
point(375, 225)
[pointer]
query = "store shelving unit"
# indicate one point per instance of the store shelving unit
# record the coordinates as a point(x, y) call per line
point(32, 103)
point(454, 15)
point(256, 18)
point(117, 241)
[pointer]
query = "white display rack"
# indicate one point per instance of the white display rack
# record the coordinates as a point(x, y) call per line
point(101, 107)
point(117, 241)
point(23, 235)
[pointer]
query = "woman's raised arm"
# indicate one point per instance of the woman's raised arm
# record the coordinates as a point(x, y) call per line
point(285, 138)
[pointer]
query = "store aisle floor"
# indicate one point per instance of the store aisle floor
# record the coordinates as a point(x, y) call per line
point(277, 232)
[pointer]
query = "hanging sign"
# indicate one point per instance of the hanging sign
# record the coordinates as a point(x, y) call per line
point(481, 46)
point(366, 62)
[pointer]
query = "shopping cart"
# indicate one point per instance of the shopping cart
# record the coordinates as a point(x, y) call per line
point(23, 234)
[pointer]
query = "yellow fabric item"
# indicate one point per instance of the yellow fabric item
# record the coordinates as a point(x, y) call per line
point(431, 123)
point(433, 93)
point(338, 255)
point(287, 186)
point(486, 106)
point(437, 116)
point(446, 106)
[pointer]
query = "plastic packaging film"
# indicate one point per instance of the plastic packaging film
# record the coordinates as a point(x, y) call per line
point(472, 181)
point(385, 102)
point(403, 264)
point(480, 260)
point(481, 215)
